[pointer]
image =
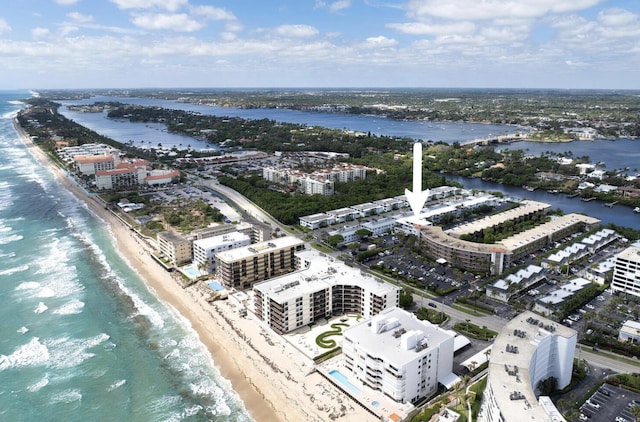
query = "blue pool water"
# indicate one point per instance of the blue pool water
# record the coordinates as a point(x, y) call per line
point(216, 286)
point(344, 381)
point(190, 272)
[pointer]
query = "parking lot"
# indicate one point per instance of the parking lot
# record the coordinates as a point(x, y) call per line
point(610, 403)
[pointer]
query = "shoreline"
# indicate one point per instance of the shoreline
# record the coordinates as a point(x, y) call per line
point(271, 377)
point(164, 287)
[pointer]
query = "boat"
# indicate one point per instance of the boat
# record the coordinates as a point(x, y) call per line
point(636, 210)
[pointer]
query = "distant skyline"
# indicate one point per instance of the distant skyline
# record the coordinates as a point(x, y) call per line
point(51, 44)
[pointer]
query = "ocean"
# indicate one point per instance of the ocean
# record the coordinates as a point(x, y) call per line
point(82, 337)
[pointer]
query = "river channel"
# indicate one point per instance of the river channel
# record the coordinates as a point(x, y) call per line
point(619, 154)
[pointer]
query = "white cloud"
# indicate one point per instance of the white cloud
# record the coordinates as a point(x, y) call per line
point(333, 7)
point(617, 17)
point(214, 13)
point(297, 31)
point(493, 9)
point(575, 64)
point(39, 32)
point(170, 5)
point(79, 17)
point(66, 2)
point(422, 28)
point(336, 6)
point(179, 22)
point(380, 42)
point(4, 26)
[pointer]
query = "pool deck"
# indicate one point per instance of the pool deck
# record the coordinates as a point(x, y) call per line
point(367, 397)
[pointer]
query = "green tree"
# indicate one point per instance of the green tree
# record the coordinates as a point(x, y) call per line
point(406, 299)
point(335, 240)
point(547, 386)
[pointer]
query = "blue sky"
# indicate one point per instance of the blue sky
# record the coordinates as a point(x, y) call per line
point(320, 43)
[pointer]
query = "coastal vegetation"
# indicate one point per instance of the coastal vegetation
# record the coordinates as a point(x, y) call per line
point(475, 331)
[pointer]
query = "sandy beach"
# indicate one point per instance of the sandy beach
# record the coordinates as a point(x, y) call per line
point(274, 380)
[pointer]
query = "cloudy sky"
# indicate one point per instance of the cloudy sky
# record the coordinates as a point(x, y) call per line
point(320, 43)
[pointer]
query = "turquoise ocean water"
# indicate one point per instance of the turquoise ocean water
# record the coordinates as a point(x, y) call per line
point(81, 337)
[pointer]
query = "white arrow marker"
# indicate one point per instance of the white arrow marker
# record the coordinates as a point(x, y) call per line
point(417, 198)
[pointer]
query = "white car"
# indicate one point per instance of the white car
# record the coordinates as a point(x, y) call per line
point(583, 417)
point(590, 403)
point(621, 419)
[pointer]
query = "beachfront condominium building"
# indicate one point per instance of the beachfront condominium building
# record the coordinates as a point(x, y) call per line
point(204, 250)
point(174, 247)
point(529, 349)
point(121, 178)
point(626, 273)
point(241, 268)
point(220, 229)
point(319, 288)
point(399, 355)
point(89, 165)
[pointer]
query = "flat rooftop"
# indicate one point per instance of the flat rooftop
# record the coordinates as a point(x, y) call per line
point(437, 234)
point(323, 272)
point(259, 248)
point(387, 342)
point(221, 239)
point(525, 207)
point(545, 230)
point(532, 328)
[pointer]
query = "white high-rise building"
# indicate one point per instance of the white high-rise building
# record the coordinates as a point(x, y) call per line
point(399, 355)
point(529, 349)
point(626, 273)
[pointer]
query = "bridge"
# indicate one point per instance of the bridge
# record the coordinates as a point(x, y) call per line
point(498, 139)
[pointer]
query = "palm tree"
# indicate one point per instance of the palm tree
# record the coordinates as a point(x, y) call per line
point(635, 411)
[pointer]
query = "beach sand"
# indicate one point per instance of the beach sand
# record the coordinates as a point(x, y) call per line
point(274, 380)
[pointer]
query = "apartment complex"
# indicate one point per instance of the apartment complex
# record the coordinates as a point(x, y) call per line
point(399, 355)
point(551, 302)
point(626, 273)
point(133, 172)
point(319, 288)
point(241, 268)
point(205, 250)
point(529, 349)
point(122, 177)
point(89, 165)
point(498, 256)
point(174, 247)
point(512, 284)
point(320, 182)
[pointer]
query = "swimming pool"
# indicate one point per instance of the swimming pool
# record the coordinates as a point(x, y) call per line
point(190, 272)
point(339, 376)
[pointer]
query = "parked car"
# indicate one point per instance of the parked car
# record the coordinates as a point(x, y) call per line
point(592, 404)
